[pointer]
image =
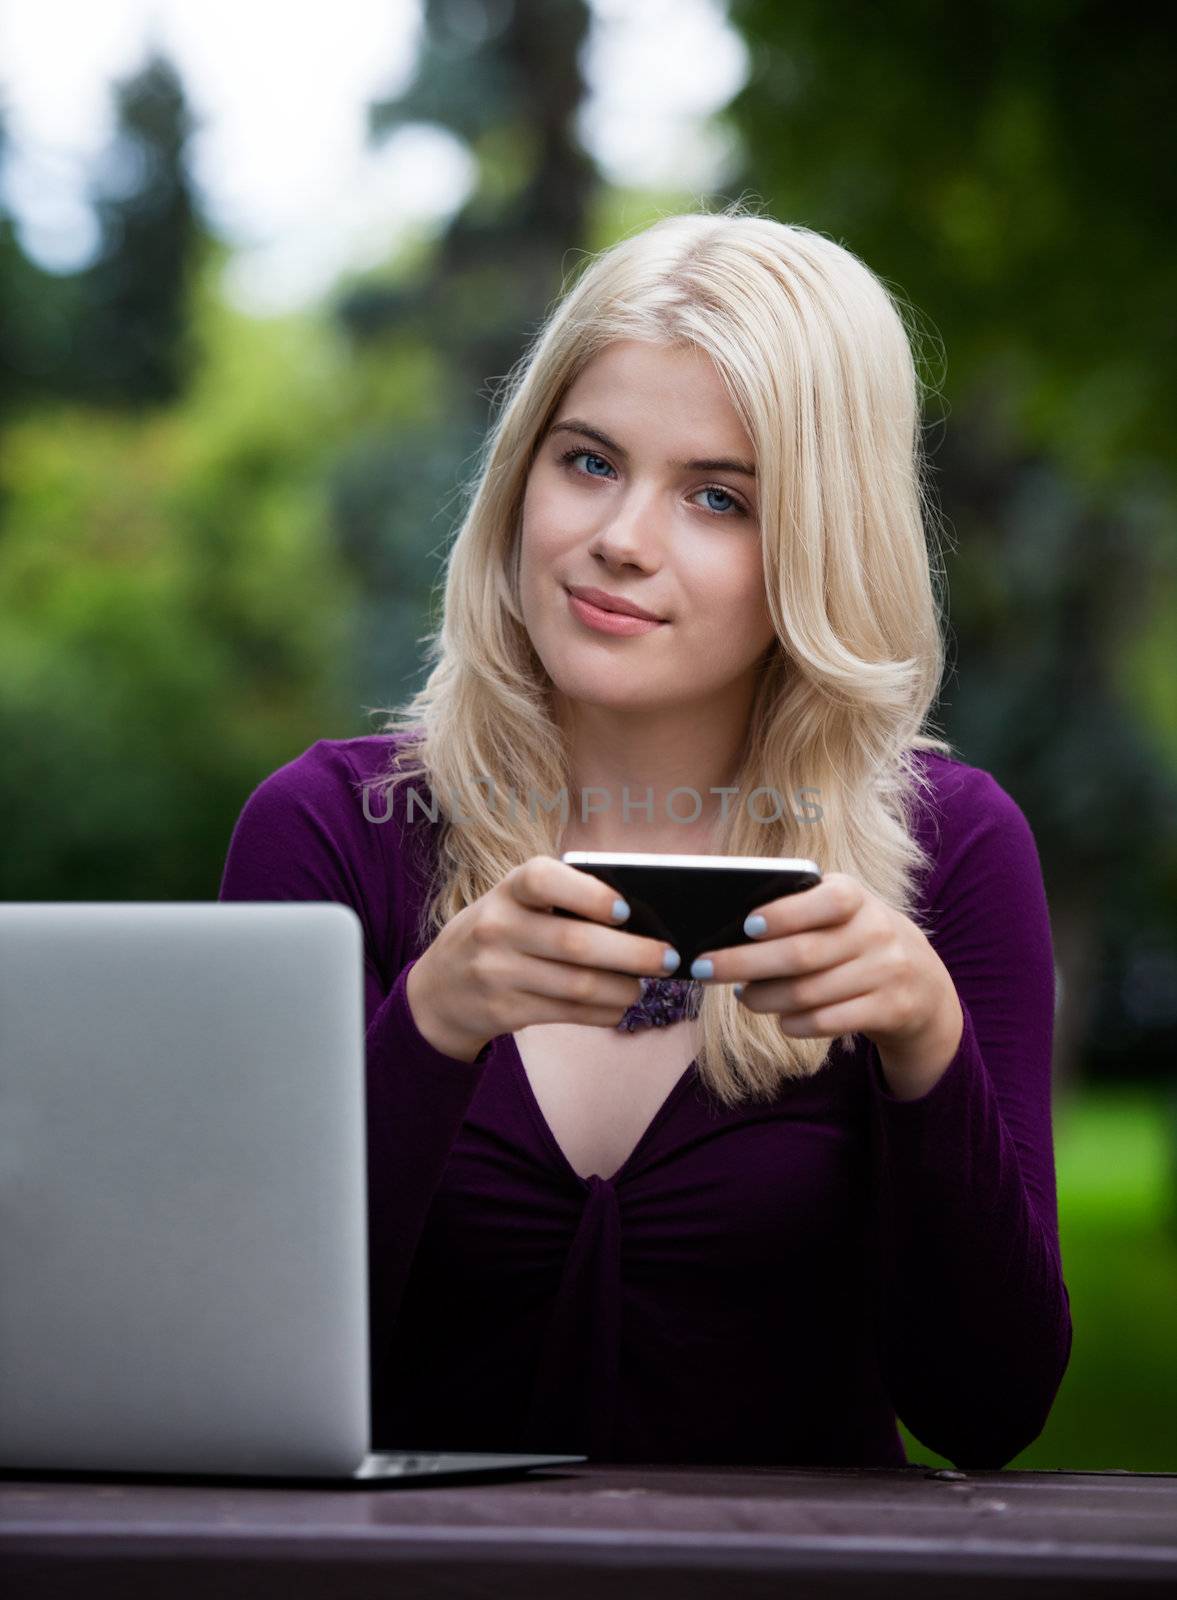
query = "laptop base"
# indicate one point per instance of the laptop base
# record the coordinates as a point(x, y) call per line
point(379, 1469)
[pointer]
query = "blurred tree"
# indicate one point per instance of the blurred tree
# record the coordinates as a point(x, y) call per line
point(1002, 164)
point(131, 345)
point(38, 314)
point(1000, 168)
point(115, 332)
point(505, 78)
point(174, 618)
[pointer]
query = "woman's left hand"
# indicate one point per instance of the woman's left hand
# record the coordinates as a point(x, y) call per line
point(836, 959)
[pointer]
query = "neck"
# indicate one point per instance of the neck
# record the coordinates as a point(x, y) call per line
point(639, 784)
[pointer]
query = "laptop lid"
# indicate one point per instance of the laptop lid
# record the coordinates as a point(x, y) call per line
point(183, 1249)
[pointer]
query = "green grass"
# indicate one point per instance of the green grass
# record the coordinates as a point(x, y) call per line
point(1116, 1160)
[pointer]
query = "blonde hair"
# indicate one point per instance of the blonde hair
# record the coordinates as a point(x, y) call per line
point(815, 356)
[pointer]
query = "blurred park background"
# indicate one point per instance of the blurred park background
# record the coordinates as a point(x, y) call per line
point(260, 270)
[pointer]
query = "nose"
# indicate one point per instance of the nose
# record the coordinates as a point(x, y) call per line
point(632, 532)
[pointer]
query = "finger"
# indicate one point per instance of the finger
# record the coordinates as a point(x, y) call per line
point(543, 882)
point(798, 954)
point(832, 901)
point(587, 987)
point(854, 981)
point(824, 1022)
point(547, 1012)
point(584, 943)
point(579, 939)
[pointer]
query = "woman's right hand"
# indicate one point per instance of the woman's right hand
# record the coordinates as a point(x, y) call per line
point(506, 962)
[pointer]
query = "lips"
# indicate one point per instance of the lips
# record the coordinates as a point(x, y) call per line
point(615, 623)
point(614, 603)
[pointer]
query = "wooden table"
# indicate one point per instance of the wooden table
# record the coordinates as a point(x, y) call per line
point(601, 1531)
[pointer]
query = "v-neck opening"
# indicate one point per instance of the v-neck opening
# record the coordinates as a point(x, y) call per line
point(556, 1148)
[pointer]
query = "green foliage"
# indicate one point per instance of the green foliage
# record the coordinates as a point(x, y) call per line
point(116, 332)
point(1001, 165)
point(175, 617)
point(1116, 1163)
point(132, 345)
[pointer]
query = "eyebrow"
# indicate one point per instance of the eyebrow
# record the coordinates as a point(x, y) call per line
point(715, 464)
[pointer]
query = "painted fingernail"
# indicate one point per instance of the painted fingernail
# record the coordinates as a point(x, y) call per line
point(738, 990)
point(670, 960)
point(754, 923)
point(702, 968)
point(620, 910)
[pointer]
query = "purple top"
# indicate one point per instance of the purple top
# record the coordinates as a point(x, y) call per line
point(771, 1283)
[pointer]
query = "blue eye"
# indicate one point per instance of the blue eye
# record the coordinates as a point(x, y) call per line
point(737, 505)
point(717, 490)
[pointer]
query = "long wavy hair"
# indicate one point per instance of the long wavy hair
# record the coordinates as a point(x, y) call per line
point(816, 356)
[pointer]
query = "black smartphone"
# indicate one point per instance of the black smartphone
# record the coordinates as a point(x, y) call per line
point(695, 903)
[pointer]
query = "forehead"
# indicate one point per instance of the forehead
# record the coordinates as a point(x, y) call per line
point(634, 361)
point(672, 392)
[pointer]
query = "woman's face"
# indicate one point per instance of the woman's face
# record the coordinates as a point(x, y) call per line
point(636, 520)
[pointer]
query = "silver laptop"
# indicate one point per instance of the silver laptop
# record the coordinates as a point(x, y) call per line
point(183, 1222)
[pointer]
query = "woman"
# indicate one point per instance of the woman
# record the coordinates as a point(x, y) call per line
point(765, 1227)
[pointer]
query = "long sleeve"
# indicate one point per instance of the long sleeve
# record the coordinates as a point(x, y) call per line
point(302, 835)
point(974, 1319)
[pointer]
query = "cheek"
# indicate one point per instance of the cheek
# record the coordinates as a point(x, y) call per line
point(545, 526)
point(733, 582)
point(543, 547)
point(737, 616)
